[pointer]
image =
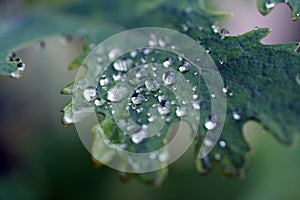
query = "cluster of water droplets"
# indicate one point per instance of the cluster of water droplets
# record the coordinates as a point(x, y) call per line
point(19, 64)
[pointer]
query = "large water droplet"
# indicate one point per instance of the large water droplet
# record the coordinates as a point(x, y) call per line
point(164, 108)
point(122, 65)
point(137, 99)
point(169, 78)
point(90, 93)
point(152, 85)
point(222, 144)
point(117, 93)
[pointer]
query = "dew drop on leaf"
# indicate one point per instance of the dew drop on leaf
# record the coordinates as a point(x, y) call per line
point(169, 78)
point(137, 99)
point(90, 93)
point(167, 62)
point(236, 115)
point(105, 81)
point(270, 5)
point(164, 108)
point(117, 93)
point(152, 85)
point(180, 112)
point(222, 144)
point(122, 65)
point(197, 105)
point(185, 67)
point(99, 102)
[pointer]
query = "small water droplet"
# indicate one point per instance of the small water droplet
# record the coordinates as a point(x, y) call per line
point(164, 108)
point(117, 93)
point(140, 135)
point(222, 143)
point(217, 156)
point(298, 78)
point(161, 98)
point(122, 65)
point(208, 51)
point(225, 90)
point(99, 102)
point(104, 81)
point(152, 85)
point(236, 115)
point(197, 105)
point(180, 112)
point(207, 142)
point(133, 54)
point(169, 78)
point(151, 118)
point(163, 157)
point(270, 5)
point(224, 32)
point(152, 156)
point(185, 67)
point(213, 96)
point(195, 96)
point(16, 74)
point(140, 110)
point(210, 123)
point(153, 40)
point(167, 62)
point(21, 66)
point(117, 76)
point(137, 99)
point(113, 54)
point(90, 93)
point(215, 28)
point(185, 28)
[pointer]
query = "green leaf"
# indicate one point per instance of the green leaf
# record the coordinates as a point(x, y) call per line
point(261, 82)
point(266, 6)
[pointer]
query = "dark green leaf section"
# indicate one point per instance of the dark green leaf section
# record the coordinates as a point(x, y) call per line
point(266, 6)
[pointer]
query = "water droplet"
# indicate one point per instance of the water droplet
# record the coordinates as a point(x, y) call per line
point(213, 96)
point(215, 28)
point(163, 157)
point(197, 105)
point(116, 77)
point(140, 110)
point(185, 67)
point(161, 98)
point(236, 115)
point(169, 78)
point(152, 156)
point(16, 74)
point(180, 112)
point(151, 118)
point(137, 99)
point(99, 60)
point(90, 93)
point(152, 85)
point(141, 73)
point(140, 135)
point(185, 28)
point(200, 28)
point(207, 142)
point(222, 143)
point(208, 51)
point(298, 78)
point(174, 87)
point(21, 66)
point(167, 62)
point(224, 32)
point(117, 93)
point(104, 82)
point(99, 102)
point(113, 54)
point(122, 65)
point(195, 96)
point(153, 40)
point(164, 108)
point(225, 90)
point(133, 54)
point(270, 5)
point(210, 123)
point(217, 156)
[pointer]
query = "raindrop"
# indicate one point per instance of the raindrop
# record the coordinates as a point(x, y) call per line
point(224, 32)
point(169, 78)
point(117, 77)
point(210, 123)
point(151, 119)
point(236, 115)
point(152, 156)
point(113, 54)
point(180, 112)
point(163, 157)
point(207, 142)
point(167, 62)
point(152, 85)
point(117, 93)
point(140, 110)
point(298, 78)
point(21, 66)
point(153, 41)
point(104, 81)
point(140, 135)
point(222, 143)
point(213, 96)
point(185, 67)
point(215, 28)
point(137, 99)
point(133, 54)
point(99, 102)
point(185, 28)
point(123, 65)
point(16, 74)
point(217, 156)
point(90, 93)
point(161, 98)
point(225, 90)
point(174, 87)
point(197, 105)
point(270, 5)
point(195, 96)
point(164, 108)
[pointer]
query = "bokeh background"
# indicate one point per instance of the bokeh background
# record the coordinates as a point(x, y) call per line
point(41, 159)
